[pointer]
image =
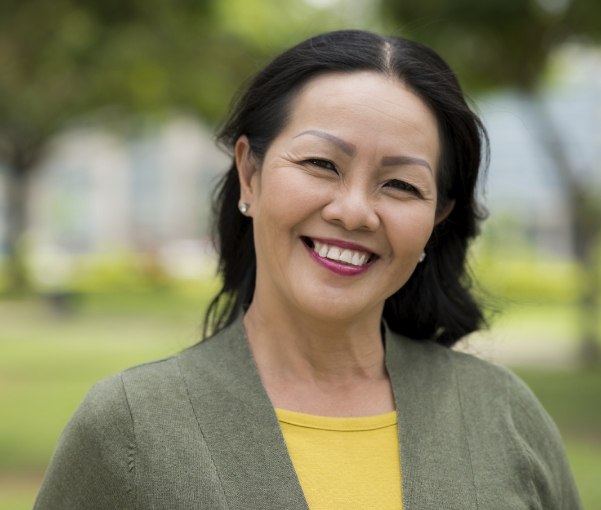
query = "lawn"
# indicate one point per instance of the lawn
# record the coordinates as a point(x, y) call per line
point(49, 361)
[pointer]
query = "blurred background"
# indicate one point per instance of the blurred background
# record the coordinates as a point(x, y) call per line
point(107, 160)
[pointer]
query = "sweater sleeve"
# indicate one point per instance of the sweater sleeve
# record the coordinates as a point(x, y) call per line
point(550, 472)
point(93, 465)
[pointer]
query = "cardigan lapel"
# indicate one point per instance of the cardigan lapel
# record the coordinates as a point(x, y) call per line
point(239, 424)
point(241, 429)
point(435, 458)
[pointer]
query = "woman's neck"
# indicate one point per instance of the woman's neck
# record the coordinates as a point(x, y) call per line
point(320, 367)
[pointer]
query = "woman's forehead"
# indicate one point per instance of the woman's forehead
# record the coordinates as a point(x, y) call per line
point(364, 106)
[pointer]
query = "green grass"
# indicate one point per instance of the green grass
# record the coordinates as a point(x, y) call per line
point(48, 363)
point(573, 398)
point(21, 497)
point(585, 459)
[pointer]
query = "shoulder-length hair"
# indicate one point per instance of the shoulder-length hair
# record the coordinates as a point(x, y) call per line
point(436, 302)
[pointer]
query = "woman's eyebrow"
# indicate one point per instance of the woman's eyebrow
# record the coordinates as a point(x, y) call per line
point(351, 149)
point(405, 160)
point(346, 147)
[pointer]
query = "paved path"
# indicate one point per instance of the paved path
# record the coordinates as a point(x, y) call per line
point(514, 350)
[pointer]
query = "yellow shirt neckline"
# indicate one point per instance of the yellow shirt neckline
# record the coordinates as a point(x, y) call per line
point(337, 423)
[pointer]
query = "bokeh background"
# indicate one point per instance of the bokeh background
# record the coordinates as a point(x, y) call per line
point(107, 115)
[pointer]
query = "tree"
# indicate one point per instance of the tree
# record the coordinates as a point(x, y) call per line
point(65, 61)
point(508, 43)
point(68, 61)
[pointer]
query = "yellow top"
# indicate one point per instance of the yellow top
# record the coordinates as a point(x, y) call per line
point(345, 463)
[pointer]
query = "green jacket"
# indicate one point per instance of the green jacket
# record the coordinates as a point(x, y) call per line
point(197, 431)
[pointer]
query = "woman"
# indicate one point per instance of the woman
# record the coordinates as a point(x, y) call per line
point(342, 228)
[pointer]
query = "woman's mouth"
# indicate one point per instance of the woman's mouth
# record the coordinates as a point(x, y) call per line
point(339, 252)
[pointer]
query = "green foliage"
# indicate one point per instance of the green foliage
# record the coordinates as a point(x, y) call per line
point(64, 59)
point(110, 272)
point(498, 42)
point(274, 25)
point(115, 272)
point(70, 62)
point(529, 280)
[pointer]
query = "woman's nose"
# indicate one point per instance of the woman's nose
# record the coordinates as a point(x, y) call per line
point(352, 209)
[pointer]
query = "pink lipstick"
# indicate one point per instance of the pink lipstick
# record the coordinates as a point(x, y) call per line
point(341, 257)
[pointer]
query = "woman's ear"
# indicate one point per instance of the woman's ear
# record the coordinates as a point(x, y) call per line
point(248, 171)
point(446, 210)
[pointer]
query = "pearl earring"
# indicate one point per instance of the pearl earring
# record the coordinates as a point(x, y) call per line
point(243, 207)
point(422, 257)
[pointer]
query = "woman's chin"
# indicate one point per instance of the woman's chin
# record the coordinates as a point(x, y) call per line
point(331, 311)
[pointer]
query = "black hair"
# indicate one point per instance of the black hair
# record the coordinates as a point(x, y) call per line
point(436, 302)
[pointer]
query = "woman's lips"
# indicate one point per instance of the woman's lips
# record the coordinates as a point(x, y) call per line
point(341, 257)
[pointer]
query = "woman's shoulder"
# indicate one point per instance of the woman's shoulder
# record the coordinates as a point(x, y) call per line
point(115, 387)
point(475, 371)
point(486, 391)
point(487, 382)
point(493, 382)
point(494, 398)
point(503, 422)
point(468, 371)
point(135, 436)
point(165, 379)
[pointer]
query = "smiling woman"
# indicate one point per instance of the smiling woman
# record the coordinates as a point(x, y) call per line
point(359, 178)
point(324, 380)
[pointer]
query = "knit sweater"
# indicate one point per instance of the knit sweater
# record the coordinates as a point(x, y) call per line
point(198, 431)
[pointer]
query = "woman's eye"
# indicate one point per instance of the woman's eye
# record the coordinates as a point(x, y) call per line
point(403, 186)
point(322, 163)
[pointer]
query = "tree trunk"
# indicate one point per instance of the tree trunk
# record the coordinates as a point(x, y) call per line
point(585, 227)
point(20, 168)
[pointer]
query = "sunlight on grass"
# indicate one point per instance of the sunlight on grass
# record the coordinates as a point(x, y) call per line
point(18, 491)
point(585, 459)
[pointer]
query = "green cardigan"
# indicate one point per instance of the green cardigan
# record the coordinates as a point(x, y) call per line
point(197, 431)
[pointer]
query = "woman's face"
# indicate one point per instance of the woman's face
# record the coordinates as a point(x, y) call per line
point(344, 201)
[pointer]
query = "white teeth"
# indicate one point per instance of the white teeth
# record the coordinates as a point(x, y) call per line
point(356, 258)
point(334, 253)
point(346, 256)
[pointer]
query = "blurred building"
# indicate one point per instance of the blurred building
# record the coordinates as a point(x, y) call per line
point(524, 194)
point(97, 192)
